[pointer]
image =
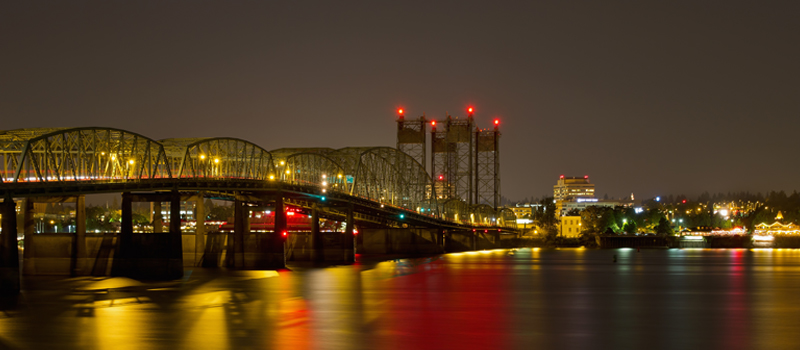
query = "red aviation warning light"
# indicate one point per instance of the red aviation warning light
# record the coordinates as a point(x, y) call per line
point(441, 177)
point(469, 111)
point(496, 122)
point(562, 176)
point(400, 112)
point(433, 123)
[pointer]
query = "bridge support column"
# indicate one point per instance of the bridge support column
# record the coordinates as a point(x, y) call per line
point(440, 240)
point(241, 226)
point(28, 230)
point(156, 256)
point(9, 253)
point(349, 237)
point(158, 219)
point(474, 240)
point(278, 240)
point(80, 264)
point(199, 230)
point(317, 241)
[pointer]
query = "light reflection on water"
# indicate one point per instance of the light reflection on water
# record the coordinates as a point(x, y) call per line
point(510, 299)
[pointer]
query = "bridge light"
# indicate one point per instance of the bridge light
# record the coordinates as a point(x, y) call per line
point(282, 162)
point(339, 176)
point(324, 190)
point(441, 177)
point(272, 177)
point(324, 183)
point(216, 160)
point(202, 156)
point(113, 157)
point(131, 162)
point(323, 198)
point(288, 172)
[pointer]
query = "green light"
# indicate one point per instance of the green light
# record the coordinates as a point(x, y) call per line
point(323, 199)
point(402, 216)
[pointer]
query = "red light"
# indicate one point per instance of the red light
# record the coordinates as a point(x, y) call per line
point(684, 201)
point(562, 176)
point(485, 231)
point(441, 177)
point(469, 110)
point(586, 176)
point(433, 123)
point(400, 111)
point(285, 233)
point(497, 122)
point(355, 232)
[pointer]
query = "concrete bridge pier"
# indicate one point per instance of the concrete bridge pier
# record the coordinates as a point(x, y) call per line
point(154, 256)
point(199, 229)
point(257, 250)
point(9, 254)
point(59, 253)
point(349, 246)
point(317, 241)
point(408, 241)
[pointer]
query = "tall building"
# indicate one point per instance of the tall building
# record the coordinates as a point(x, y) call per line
point(572, 188)
point(576, 193)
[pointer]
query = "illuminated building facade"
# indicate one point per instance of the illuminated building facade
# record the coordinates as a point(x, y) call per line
point(572, 188)
point(569, 226)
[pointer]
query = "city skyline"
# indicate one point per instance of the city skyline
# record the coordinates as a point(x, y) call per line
point(650, 99)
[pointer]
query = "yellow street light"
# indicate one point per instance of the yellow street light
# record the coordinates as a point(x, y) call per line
point(202, 157)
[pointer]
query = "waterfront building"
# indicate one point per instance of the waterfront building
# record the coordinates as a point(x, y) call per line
point(569, 226)
point(572, 188)
point(776, 228)
point(577, 193)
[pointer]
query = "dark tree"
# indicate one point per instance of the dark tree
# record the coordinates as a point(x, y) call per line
point(663, 228)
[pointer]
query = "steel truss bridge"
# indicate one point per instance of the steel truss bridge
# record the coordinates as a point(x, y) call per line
point(386, 186)
point(383, 190)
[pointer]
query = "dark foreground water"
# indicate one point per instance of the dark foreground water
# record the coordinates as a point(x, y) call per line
point(524, 299)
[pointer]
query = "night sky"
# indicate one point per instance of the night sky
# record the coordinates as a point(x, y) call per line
point(645, 97)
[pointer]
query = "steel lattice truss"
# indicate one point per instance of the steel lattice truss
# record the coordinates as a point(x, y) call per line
point(218, 158)
point(452, 158)
point(411, 138)
point(81, 154)
point(487, 167)
point(96, 155)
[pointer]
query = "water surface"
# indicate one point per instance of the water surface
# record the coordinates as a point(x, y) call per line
point(501, 299)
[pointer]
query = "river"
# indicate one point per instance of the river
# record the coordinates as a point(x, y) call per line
point(500, 299)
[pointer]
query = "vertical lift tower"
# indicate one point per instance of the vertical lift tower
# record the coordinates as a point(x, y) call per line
point(487, 166)
point(451, 158)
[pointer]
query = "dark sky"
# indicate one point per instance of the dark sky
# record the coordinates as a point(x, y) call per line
point(644, 97)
